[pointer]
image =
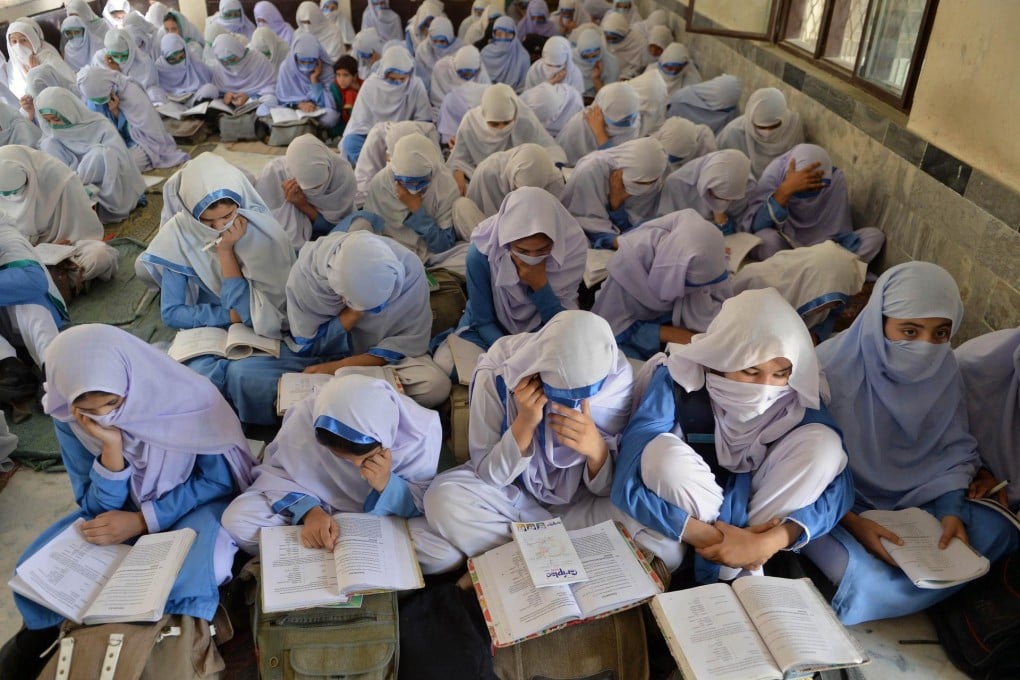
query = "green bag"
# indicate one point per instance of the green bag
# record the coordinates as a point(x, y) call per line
point(326, 642)
point(447, 299)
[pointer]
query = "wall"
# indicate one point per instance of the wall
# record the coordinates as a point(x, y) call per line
point(968, 93)
point(931, 205)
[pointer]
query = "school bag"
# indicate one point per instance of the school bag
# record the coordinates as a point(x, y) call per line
point(447, 299)
point(610, 648)
point(325, 642)
point(979, 626)
point(177, 646)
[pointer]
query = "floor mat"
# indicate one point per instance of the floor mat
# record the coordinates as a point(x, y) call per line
point(123, 301)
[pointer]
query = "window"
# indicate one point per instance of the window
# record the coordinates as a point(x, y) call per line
point(877, 45)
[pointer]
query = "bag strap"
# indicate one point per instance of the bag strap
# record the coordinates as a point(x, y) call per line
point(64, 657)
point(113, 646)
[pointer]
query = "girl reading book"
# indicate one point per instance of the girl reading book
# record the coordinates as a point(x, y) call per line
point(356, 446)
point(149, 446)
point(224, 259)
point(898, 397)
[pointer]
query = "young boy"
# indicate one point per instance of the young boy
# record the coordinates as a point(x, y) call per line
point(344, 90)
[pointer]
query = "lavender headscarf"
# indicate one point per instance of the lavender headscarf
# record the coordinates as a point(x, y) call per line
point(270, 45)
point(618, 102)
point(428, 53)
point(528, 26)
point(712, 102)
point(16, 129)
point(96, 24)
point(241, 25)
point(575, 353)
point(78, 52)
point(683, 141)
point(526, 212)
point(293, 86)
point(900, 403)
point(268, 12)
point(811, 219)
point(138, 66)
point(764, 107)
point(553, 105)
point(364, 271)
point(184, 77)
point(170, 414)
point(675, 264)
point(353, 405)
point(506, 62)
point(145, 125)
point(726, 173)
point(990, 366)
point(750, 329)
point(311, 19)
point(384, 20)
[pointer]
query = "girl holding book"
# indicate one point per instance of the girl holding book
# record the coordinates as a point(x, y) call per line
point(224, 259)
point(731, 450)
point(355, 446)
point(898, 397)
point(149, 446)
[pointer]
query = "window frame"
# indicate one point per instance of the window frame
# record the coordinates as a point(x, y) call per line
point(776, 32)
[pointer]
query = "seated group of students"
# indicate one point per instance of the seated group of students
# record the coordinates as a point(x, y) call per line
point(742, 441)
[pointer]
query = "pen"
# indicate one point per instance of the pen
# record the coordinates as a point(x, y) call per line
point(212, 244)
point(997, 488)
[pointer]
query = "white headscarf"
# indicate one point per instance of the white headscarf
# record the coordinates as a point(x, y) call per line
point(716, 182)
point(56, 207)
point(446, 76)
point(652, 90)
point(264, 252)
point(553, 105)
point(78, 52)
point(527, 165)
point(557, 55)
point(576, 357)
point(18, 67)
point(138, 66)
point(766, 106)
point(476, 140)
point(16, 129)
point(252, 73)
point(620, 104)
point(676, 54)
point(264, 40)
point(380, 100)
point(683, 141)
point(310, 18)
point(242, 25)
point(413, 155)
point(632, 50)
point(751, 328)
point(326, 179)
point(589, 40)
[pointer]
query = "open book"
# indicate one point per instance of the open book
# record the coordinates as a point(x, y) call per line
point(237, 342)
point(515, 610)
point(920, 558)
point(94, 584)
point(178, 111)
point(230, 109)
point(761, 628)
point(596, 267)
point(283, 115)
point(465, 357)
point(293, 387)
point(549, 553)
point(373, 554)
point(738, 247)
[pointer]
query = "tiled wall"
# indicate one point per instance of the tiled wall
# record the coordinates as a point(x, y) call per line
point(930, 205)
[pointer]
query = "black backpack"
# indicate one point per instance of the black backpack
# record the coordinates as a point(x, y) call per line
point(979, 626)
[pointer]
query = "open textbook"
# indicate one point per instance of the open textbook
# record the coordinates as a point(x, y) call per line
point(596, 266)
point(177, 110)
point(920, 558)
point(293, 387)
point(283, 115)
point(738, 247)
point(237, 342)
point(548, 552)
point(515, 610)
point(761, 628)
point(373, 553)
point(94, 584)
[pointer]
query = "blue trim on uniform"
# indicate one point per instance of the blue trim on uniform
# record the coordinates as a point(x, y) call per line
point(339, 429)
point(181, 269)
point(214, 196)
point(722, 277)
point(287, 501)
point(817, 302)
point(572, 394)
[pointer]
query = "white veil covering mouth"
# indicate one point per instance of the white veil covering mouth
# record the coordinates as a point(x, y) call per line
point(752, 328)
point(264, 252)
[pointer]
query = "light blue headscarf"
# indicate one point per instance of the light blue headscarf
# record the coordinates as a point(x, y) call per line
point(900, 403)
